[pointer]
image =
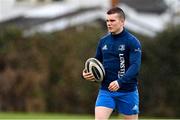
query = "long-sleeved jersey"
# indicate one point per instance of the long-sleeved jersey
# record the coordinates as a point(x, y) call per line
point(121, 57)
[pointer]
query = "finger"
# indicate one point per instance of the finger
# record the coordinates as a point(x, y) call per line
point(113, 87)
point(87, 73)
point(89, 76)
point(110, 86)
point(116, 88)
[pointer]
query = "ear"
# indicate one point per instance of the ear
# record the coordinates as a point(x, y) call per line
point(122, 22)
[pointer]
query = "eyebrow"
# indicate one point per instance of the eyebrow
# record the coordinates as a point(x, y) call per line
point(110, 20)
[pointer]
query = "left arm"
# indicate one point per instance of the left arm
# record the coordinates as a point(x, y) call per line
point(132, 71)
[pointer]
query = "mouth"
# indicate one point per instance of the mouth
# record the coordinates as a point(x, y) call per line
point(109, 28)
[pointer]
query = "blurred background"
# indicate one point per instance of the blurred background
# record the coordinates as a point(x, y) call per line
point(45, 43)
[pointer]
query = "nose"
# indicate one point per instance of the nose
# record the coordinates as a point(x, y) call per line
point(108, 24)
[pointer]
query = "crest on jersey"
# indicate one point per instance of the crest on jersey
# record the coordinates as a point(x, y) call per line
point(121, 47)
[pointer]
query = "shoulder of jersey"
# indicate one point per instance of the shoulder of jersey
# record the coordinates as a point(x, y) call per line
point(105, 36)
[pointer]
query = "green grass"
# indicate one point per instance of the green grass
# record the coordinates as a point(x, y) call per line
point(47, 116)
point(58, 116)
point(42, 116)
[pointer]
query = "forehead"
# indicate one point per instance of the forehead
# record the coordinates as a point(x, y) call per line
point(112, 16)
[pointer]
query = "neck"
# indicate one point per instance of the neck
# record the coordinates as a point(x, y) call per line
point(115, 33)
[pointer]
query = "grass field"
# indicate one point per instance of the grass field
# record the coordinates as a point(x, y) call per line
point(47, 116)
point(57, 116)
point(42, 116)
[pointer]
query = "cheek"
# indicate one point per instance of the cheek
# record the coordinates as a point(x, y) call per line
point(116, 26)
point(121, 23)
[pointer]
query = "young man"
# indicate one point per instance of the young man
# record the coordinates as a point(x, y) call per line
point(120, 53)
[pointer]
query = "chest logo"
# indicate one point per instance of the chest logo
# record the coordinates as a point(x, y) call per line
point(121, 47)
point(105, 47)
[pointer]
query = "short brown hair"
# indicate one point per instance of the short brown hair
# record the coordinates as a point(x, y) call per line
point(118, 11)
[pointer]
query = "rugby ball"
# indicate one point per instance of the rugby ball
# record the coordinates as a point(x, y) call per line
point(95, 67)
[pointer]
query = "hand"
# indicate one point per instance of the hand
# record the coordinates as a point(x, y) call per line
point(88, 76)
point(114, 86)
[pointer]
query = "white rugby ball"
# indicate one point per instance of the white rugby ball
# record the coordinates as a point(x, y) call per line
point(95, 67)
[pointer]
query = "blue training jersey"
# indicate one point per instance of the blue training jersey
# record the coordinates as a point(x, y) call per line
point(121, 57)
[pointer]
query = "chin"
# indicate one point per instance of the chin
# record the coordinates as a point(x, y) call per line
point(111, 31)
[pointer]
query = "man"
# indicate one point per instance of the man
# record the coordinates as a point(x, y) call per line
point(120, 53)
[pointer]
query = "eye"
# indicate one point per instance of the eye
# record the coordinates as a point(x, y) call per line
point(112, 20)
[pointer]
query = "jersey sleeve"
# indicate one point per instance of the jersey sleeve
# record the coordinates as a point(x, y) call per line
point(134, 63)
